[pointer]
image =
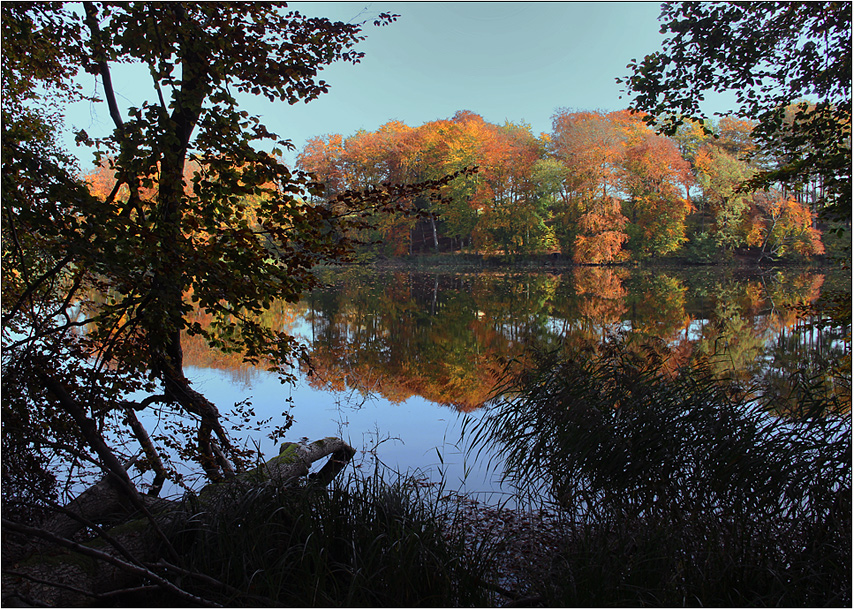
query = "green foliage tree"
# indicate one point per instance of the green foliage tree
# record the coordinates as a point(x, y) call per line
point(720, 174)
point(772, 56)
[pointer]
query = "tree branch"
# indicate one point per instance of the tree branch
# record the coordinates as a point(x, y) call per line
point(49, 583)
point(150, 452)
point(96, 441)
point(91, 20)
point(34, 286)
point(137, 570)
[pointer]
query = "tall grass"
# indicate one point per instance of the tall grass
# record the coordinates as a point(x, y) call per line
point(678, 489)
point(662, 486)
point(362, 542)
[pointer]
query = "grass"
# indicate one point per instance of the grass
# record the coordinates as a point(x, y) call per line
point(362, 542)
point(678, 489)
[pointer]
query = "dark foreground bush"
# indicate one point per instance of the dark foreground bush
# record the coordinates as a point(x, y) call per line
point(366, 543)
point(678, 489)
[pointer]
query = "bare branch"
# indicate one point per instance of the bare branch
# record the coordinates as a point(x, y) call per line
point(34, 286)
point(141, 435)
point(49, 583)
point(91, 20)
point(96, 441)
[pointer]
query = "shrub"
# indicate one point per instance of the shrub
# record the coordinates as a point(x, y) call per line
point(678, 488)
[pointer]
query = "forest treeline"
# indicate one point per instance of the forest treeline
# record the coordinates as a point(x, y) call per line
point(599, 188)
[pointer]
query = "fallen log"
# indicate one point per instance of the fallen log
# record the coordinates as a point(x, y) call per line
point(49, 565)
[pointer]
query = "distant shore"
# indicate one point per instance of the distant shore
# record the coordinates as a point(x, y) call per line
point(556, 261)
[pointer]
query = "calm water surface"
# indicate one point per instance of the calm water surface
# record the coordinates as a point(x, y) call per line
point(401, 362)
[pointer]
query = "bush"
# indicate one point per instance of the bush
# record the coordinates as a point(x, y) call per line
point(702, 248)
point(358, 543)
point(678, 488)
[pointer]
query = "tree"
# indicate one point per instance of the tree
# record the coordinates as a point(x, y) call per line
point(772, 56)
point(321, 156)
point(465, 138)
point(512, 220)
point(98, 291)
point(589, 147)
point(720, 174)
point(782, 225)
point(601, 234)
point(652, 173)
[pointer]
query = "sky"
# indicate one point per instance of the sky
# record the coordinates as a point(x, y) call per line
point(507, 61)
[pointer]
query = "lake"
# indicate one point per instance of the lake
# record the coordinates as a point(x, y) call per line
point(402, 361)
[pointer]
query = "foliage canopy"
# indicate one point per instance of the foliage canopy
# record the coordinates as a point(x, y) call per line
point(193, 212)
point(789, 65)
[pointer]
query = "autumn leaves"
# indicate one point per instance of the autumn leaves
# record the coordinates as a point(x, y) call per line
point(600, 187)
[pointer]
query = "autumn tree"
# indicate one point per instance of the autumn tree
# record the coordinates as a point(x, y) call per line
point(771, 56)
point(465, 141)
point(588, 146)
point(379, 157)
point(601, 233)
point(449, 145)
point(720, 174)
point(653, 175)
point(513, 218)
point(781, 225)
point(321, 156)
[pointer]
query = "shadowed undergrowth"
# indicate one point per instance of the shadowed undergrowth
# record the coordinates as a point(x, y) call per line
point(362, 542)
point(664, 487)
point(679, 489)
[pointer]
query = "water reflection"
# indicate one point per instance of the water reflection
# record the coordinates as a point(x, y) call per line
point(412, 344)
point(445, 337)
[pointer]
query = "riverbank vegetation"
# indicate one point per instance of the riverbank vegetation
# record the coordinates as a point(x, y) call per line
point(641, 485)
point(680, 490)
point(599, 188)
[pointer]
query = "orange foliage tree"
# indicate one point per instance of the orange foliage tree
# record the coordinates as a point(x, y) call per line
point(780, 225)
point(589, 148)
point(652, 172)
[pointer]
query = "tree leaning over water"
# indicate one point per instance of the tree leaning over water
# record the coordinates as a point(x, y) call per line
point(97, 290)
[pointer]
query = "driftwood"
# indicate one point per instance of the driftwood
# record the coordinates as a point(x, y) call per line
point(50, 565)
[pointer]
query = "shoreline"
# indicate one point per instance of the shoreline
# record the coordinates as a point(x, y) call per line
point(558, 263)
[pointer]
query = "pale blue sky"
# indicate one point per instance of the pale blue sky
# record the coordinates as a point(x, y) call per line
point(516, 61)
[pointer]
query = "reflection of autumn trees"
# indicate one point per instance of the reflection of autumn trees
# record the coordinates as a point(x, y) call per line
point(601, 295)
point(749, 318)
point(445, 336)
point(438, 336)
point(657, 307)
point(198, 353)
point(405, 334)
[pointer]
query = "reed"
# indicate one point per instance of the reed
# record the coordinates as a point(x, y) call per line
point(360, 542)
point(664, 486)
point(678, 488)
